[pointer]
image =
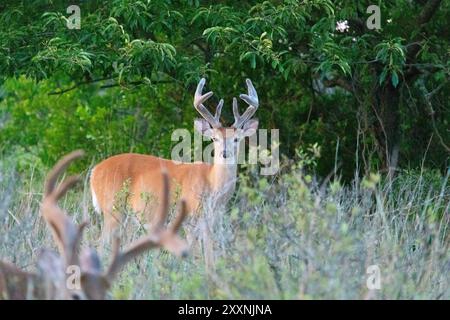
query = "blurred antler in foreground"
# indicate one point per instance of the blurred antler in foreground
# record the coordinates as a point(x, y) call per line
point(75, 275)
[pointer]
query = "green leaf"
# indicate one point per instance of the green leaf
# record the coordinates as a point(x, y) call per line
point(394, 79)
point(383, 76)
point(253, 61)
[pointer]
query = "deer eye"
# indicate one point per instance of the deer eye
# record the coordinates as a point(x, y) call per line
point(235, 139)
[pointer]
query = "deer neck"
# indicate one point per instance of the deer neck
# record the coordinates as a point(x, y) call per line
point(223, 176)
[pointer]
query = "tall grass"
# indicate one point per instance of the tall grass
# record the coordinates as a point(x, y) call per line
point(286, 237)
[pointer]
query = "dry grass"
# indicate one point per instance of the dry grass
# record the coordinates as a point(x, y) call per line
point(285, 238)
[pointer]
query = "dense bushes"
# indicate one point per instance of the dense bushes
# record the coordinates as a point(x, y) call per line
point(361, 94)
point(39, 128)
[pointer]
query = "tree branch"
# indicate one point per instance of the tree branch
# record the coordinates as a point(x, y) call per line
point(424, 17)
point(105, 86)
point(344, 84)
point(76, 86)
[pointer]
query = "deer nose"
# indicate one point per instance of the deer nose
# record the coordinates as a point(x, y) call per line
point(185, 253)
point(225, 154)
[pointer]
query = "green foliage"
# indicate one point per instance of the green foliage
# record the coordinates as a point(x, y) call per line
point(392, 55)
point(40, 127)
point(316, 84)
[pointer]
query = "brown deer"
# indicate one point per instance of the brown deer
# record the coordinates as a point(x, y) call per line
point(51, 280)
point(195, 180)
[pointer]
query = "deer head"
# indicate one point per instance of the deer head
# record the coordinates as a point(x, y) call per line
point(51, 279)
point(226, 139)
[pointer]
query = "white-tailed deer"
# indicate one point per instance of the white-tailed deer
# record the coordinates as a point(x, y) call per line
point(53, 279)
point(142, 173)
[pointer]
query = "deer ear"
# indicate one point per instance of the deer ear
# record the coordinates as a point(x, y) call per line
point(203, 127)
point(250, 127)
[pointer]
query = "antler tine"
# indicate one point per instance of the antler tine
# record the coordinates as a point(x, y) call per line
point(251, 99)
point(121, 258)
point(199, 99)
point(182, 213)
point(160, 237)
point(66, 234)
point(59, 168)
point(166, 239)
point(164, 207)
point(218, 111)
point(65, 186)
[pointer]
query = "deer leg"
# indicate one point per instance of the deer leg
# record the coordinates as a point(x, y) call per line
point(111, 223)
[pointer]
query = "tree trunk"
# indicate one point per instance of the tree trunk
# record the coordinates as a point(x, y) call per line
point(387, 97)
point(387, 125)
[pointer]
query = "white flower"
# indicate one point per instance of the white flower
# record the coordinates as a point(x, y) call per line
point(342, 26)
point(389, 20)
point(290, 48)
point(354, 39)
